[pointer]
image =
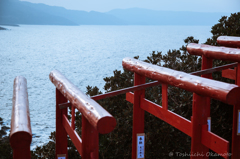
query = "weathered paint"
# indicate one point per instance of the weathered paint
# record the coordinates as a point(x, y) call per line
point(224, 92)
point(230, 41)
point(100, 119)
point(20, 133)
point(214, 52)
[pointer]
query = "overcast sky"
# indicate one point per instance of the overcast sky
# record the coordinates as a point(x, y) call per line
point(229, 6)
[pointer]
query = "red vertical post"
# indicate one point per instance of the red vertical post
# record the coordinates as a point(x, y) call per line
point(20, 133)
point(61, 134)
point(90, 140)
point(199, 118)
point(164, 96)
point(138, 113)
point(235, 134)
point(206, 64)
point(73, 117)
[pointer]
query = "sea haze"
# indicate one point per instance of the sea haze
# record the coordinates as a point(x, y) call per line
point(20, 12)
point(84, 54)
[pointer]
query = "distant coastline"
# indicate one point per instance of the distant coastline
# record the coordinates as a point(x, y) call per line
point(16, 25)
point(1, 28)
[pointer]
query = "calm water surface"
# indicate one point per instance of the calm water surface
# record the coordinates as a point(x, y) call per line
point(84, 54)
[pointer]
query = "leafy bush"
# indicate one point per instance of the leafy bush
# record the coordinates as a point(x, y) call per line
point(5, 148)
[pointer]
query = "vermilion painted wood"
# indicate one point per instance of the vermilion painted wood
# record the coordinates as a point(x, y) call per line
point(215, 143)
point(155, 83)
point(214, 52)
point(206, 64)
point(73, 118)
point(230, 41)
point(138, 113)
point(235, 137)
point(20, 133)
point(130, 97)
point(199, 118)
point(229, 73)
point(61, 134)
point(224, 92)
point(77, 141)
point(101, 120)
point(164, 96)
point(209, 139)
point(90, 140)
point(170, 117)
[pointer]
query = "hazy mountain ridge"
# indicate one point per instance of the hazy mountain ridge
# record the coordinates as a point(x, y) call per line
point(78, 17)
point(138, 16)
point(16, 12)
point(20, 12)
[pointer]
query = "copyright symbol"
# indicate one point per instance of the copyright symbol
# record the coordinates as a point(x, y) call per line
point(171, 154)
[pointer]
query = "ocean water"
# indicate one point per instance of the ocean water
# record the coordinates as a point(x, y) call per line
point(84, 54)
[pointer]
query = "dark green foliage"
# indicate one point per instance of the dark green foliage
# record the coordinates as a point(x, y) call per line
point(161, 138)
point(227, 26)
point(5, 148)
point(46, 151)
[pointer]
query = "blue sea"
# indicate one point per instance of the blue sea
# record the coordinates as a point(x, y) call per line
point(84, 54)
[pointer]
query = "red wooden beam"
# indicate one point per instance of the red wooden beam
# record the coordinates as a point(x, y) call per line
point(138, 113)
point(73, 118)
point(20, 133)
point(90, 140)
point(199, 118)
point(229, 73)
point(165, 96)
point(77, 141)
point(210, 140)
point(230, 41)
point(214, 52)
point(168, 116)
point(235, 129)
point(61, 134)
point(224, 92)
point(94, 113)
point(215, 143)
point(154, 83)
point(207, 64)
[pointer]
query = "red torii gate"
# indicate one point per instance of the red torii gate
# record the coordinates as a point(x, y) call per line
point(209, 53)
point(197, 128)
point(94, 117)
